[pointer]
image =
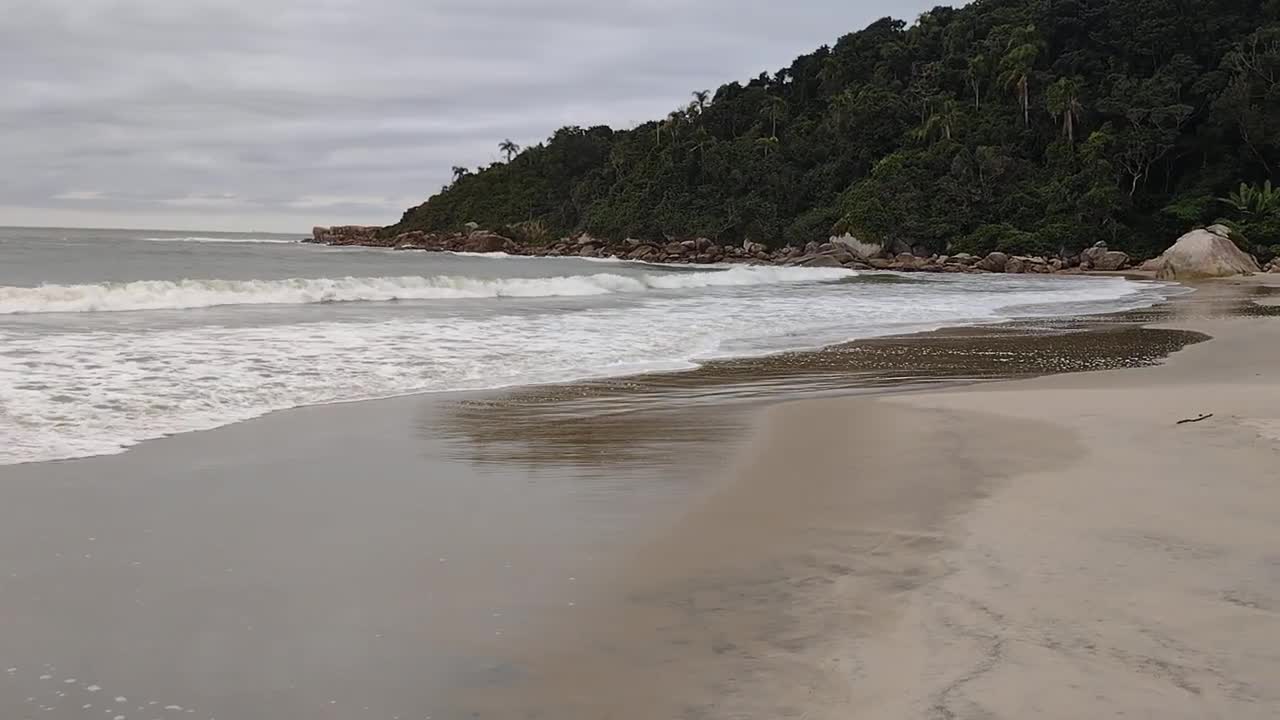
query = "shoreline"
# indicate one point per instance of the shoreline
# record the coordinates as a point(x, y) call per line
point(537, 550)
point(789, 361)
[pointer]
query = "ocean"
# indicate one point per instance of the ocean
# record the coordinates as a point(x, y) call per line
point(112, 337)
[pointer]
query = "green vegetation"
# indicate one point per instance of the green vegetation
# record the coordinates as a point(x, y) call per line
point(1020, 125)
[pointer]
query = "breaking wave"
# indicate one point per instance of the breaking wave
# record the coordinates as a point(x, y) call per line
point(206, 239)
point(187, 294)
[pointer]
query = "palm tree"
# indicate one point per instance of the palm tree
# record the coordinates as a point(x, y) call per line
point(700, 98)
point(773, 107)
point(979, 71)
point(1063, 98)
point(508, 147)
point(672, 123)
point(701, 138)
point(941, 121)
point(1018, 63)
point(459, 172)
point(769, 144)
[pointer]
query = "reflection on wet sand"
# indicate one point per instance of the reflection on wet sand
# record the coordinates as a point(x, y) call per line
point(652, 419)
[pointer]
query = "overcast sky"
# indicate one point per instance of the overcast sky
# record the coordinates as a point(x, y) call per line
point(282, 114)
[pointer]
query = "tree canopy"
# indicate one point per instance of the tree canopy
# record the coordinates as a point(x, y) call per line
point(1021, 125)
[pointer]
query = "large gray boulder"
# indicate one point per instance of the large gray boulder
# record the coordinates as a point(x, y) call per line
point(1205, 253)
point(859, 249)
point(995, 262)
point(1090, 257)
point(1110, 261)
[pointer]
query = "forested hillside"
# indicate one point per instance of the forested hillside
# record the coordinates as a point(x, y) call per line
point(1022, 125)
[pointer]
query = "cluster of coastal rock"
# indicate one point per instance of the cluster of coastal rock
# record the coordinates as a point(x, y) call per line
point(1208, 252)
point(838, 252)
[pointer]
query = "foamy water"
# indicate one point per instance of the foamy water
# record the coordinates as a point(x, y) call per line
point(104, 344)
point(185, 294)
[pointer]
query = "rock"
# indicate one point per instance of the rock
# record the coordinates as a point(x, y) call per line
point(965, 259)
point(819, 261)
point(754, 248)
point(1110, 261)
point(673, 248)
point(350, 235)
point(995, 262)
point(1089, 258)
point(488, 242)
point(859, 249)
point(880, 263)
point(585, 239)
point(644, 252)
point(1204, 253)
point(1055, 265)
point(415, 240)
point(1016, 265)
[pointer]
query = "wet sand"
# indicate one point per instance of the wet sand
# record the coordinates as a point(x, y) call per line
point(683, 546)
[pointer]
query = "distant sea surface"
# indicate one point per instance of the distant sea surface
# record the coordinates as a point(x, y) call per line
point(112, 337)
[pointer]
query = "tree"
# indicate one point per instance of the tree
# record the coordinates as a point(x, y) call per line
point(1019, 62)
point(978, 70)
point(1254, 202)
point(702, 138)
point(511, 149)
point(1063, 100)
point(941, 121)
point(1150, 111)
point(459, 172)
point(773, 108)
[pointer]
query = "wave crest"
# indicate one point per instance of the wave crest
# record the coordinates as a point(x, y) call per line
point(188, 294)
point(204, 239)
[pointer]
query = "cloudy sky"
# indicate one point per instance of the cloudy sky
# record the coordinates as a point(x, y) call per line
point(282, 114)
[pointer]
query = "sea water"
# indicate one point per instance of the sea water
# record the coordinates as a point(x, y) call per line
point(112, 337)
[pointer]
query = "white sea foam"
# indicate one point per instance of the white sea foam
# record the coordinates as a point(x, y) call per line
point(89, 388)
point(210, 239)
point(186, 294)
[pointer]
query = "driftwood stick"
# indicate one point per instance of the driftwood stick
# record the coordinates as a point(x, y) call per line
point(1202, 418)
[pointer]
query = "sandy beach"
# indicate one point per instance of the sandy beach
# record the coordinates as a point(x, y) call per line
point(686, 546)
point(1056, 547)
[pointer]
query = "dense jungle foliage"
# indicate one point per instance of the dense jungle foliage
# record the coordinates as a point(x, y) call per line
point(1036, 126)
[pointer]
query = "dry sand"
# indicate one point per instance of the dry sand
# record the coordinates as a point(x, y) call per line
point(1141, 579)
point(1119, 564)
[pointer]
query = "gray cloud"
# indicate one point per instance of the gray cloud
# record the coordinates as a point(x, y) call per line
point(279, 114)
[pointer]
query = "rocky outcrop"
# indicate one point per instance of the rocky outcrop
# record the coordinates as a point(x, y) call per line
point(349, 235)
point(1206, 253)
point(859, 249)
point(841, 251)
